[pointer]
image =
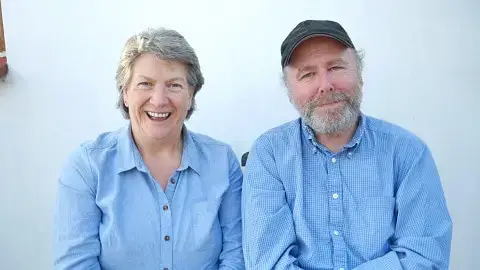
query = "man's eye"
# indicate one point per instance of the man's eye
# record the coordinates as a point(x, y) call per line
point(307, 75)
point(336, 68)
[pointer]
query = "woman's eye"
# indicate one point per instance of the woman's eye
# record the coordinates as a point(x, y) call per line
point(144, 84)
point(176, 86)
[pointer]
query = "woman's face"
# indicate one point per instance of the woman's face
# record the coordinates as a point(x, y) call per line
point(158, 97)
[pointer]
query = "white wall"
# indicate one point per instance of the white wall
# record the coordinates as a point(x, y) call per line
point(422, 72)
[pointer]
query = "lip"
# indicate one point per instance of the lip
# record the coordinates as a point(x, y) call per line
point(156, 112)
point(332, 104)
point(158, 120)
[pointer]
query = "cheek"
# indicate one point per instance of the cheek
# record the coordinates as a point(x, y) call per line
point(181, 102)
point(345, 82)
point(302, 93)
point(136, 100)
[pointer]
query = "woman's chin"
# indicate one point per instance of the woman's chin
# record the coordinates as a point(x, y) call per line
point(158, 134)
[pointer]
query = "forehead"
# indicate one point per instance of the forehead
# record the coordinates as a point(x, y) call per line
point(319, 48)
point(150, 65)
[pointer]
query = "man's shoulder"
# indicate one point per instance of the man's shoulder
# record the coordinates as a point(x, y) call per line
point(393, 133)
point(281, 136)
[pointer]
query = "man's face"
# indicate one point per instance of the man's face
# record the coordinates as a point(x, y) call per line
point(324, 85)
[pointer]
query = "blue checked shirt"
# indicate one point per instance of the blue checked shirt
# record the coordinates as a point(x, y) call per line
point(111, 213)
point(376, 204)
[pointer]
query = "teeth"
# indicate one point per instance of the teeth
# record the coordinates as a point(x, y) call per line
point(154, 114)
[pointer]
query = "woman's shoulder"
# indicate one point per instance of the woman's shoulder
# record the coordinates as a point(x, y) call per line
point(207, 140)
point(103, 140)
point(101, 148)
point(207, 145)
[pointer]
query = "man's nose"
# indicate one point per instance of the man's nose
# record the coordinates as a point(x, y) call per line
point(324, 83)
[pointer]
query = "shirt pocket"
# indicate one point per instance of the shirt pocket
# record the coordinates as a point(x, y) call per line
point(206, 230)
point(378, 214)
point(373, 224)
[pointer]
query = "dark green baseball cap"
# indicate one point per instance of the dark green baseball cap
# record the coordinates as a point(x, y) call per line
point(313, 28)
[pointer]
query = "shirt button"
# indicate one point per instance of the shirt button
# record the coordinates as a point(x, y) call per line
point(167, 238)
point(165, 207)
point(335, 195)
point(341, 268)
point(336, 232)
point(350, 153)
point(172, 180)
point(334, 160)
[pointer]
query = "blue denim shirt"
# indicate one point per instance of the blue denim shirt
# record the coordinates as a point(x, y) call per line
point(376, 204)
point(111, 213)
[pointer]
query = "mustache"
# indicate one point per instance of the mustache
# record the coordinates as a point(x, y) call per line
point(330, 98)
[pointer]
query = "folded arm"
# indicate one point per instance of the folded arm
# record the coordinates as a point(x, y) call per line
point(424, 228)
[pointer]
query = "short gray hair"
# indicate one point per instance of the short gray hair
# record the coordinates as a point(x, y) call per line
point(167, 44)
point(359, 55)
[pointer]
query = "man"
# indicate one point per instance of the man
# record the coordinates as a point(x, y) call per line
point(337, 189)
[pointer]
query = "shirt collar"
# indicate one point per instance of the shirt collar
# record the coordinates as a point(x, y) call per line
point(190, 152)
point(129, 156)
point(126, 148)
point(310, 135)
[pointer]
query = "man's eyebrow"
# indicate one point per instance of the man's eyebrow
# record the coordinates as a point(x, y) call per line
point(306, 68)
point(338, 61)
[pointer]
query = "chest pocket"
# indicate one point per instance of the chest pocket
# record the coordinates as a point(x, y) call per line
point(206, 230)
point(373, 224)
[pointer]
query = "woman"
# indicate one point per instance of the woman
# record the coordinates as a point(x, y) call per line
point(151, 195)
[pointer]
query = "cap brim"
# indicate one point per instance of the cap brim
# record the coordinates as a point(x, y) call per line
point(344, 42)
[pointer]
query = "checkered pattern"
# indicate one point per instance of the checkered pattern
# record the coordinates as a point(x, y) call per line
point(377, 204)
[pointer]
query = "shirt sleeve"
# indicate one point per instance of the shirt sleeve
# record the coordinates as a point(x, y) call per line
point(76, 243)
point(268, 230)
point(230, 218)
point(424, 226)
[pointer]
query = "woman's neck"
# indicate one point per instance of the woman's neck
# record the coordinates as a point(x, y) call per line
point(166, 147)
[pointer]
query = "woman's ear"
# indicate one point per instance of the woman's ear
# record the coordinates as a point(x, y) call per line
point(190, 99)
point(125, 97)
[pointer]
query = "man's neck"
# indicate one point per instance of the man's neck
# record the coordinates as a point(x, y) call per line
point(335, 141)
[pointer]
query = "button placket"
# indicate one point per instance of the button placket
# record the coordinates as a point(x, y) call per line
point(335, 189)
point(166, 249)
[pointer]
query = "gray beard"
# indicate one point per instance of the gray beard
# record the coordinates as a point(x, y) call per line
point(336, 120)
